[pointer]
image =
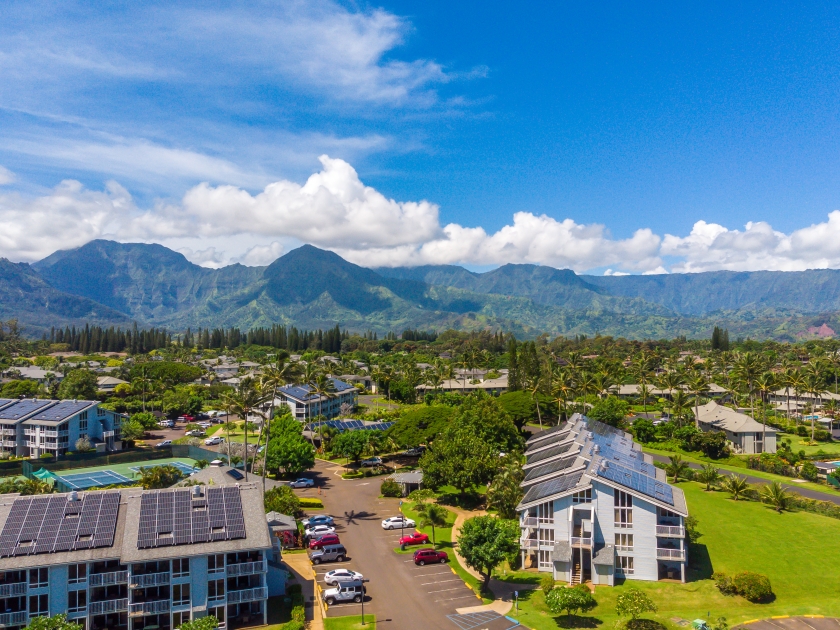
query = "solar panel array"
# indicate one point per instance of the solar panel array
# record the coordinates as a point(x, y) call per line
point(541, 435)
point(63, 410)
point(349, 425)
point(549, 469)
point(633, 460)
point(235, 474)
point(52, 524)
point(637, 481)
point(548, 453)
point(23, 408)
point(176, 517)
point(552, 487)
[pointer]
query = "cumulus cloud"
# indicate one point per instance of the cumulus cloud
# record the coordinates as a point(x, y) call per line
point(6, 176)
point(260, 255)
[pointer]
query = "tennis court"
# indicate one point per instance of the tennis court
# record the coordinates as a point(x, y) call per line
point(184, 468)
point(84, 481)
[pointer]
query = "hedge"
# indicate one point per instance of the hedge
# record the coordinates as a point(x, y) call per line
point(311, 502)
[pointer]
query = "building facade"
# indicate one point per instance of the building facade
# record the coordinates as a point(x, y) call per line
point(108, 566)
point(32, 427)
point(743, 433)
point(305, 404)
point(597, 509)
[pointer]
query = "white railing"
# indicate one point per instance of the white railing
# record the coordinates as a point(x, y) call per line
point(530, 521)
point(149, 608)
point(671, 531)
point(12, 443)
point(107, 579)
point(108, 606)
point(246, 568)
point(13, 619)
point(580, 541)
point(623, 548)
point(529, 543)
point(247, 595)
point(216, 600)
point(149, 579)
point(10, 590)
point(55, 434)
point(670, 554)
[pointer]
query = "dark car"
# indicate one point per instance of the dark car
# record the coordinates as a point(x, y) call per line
point(326, 539)
point(430, 556)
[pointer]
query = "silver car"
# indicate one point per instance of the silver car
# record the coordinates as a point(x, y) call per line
point(341, 575)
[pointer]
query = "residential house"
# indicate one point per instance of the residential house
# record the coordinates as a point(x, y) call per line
point(109, 383)
point(743, 433)
point(305, 404)
point(471, 383)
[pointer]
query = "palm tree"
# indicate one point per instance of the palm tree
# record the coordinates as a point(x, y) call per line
point(709, 475)
point(432, 515)
point(765, 384)
point(562, 387)
point(775, 495)
point(246, 402)
point(697, 385)
point(736, 485)
point(747, 368)
point(677, 467)
point(679, 403)
point(275, 375)
point(585, 382)
point(644, 394)
point(603, 382)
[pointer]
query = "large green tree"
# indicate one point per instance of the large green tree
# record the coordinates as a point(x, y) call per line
point(281, 499)
point(56, 622)
point(78, 385)
point(350, 444)
point(572, 599)
point(485, 542)
point(520, 406)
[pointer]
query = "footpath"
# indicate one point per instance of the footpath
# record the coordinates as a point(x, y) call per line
point(298, 564)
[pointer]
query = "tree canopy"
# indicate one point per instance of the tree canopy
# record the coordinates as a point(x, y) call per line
point(486, 541)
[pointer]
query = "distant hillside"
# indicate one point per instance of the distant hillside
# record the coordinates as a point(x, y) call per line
point(310, 288)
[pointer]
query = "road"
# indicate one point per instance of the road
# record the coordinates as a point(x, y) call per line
point(402, 595)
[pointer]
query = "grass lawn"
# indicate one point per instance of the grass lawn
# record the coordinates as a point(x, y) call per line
point(278, 612)
point(351, 622)
point(799, 443)
point(799, 552)
point(443, 537)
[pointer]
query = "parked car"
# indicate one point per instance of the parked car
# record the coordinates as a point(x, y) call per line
point(318, 530)
point(164, 443)
point(195, 433)
point(342, 575)
point(212, 441)
point(205, 425)
point(430, 556)
point(326, 539)
point(352, 591)
point(166, 424)
point(329, 553)
point(417, 538)
point(370, 462)
point(318, 519)
point(417, 451)
point(303, 482)
point(189, 418)
point(398, 522)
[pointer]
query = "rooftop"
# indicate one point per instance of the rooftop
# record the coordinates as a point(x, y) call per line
point(721, 417)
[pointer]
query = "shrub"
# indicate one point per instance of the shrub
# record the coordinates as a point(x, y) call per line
point(390, 488)
point(801, 430)
point(310, 502)
point(547, 583)
point(753, 587)
point(808, 471)
point(293, 625)
point(724, 583)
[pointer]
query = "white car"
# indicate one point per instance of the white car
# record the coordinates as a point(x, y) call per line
point(164, 443)
point(303, 482)
point(204, 425)
point(318, 530)
point(398, 522)
point(212, 441)
point(341, 575)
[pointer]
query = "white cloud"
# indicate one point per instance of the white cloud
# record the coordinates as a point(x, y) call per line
point(6, 176)
point(261, 255)
point(612, 272)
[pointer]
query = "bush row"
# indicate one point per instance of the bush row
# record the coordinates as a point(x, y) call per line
point(753, 587)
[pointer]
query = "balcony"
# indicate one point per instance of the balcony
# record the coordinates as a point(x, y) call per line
point(670, 531)
point(149, 608)
point(11, 590)
point(149, 579)
point(247, 595)
point(670, 554)
point(55, 434)
point(108, 606)
point(246, 568)
point(14, 619)
point(108, 579)
point(10, 443)
point(530, 521)
point(216, 600)
point(529, 543)
point(581, 541)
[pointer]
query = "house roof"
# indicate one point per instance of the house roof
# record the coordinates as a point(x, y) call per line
point(413, 477)
point(302, 393)
point(281, 522)
point(22, 409)
point(605, 556)
point(110, 380)
point(722, 417)
point(562, 551)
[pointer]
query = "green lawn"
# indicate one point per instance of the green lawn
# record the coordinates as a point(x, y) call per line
point(798, 443)
point(799, 552)
point(351, 622)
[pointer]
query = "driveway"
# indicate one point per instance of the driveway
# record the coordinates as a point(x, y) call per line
point(402, 595)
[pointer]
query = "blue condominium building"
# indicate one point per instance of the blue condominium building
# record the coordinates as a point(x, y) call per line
point(306, 404)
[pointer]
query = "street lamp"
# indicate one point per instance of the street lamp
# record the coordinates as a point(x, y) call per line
point(364, 591)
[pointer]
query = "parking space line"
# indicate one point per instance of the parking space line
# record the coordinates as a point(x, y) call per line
point(451, 599)
point(445, 590)
point(440, 582)
point(431, 574)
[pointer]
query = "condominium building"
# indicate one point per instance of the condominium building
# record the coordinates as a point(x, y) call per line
point(306, 403)
point(136, 560)
point(597, 509)
point(33, 427)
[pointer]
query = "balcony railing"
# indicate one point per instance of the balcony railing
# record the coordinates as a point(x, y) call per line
point(529, 543)
point(247, 595)
point(149, 579)
point(216, 600)
point(108, 579)
point(530, 521)
point(10, 590)
point(150, 608)
point(12, 443)
point(108, 606)
point(581, 541)
point(55, 434)
point(670, 531)
point(670, 554)
point(14, 619)
point(246, 568)
point(623, 548)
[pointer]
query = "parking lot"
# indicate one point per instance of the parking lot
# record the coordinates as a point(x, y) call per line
point(399, 593)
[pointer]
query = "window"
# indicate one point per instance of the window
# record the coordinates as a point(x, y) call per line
point(545, 559)
point(83, 416)
point(180, 594)
point(216, 588)
point(179, 618)
point(78, 573)
point(39, 578)
point(180, 567)
point(584, 496)
point(545, 512)
point(39, 605)
point(77, 601)
point(219, 614)
point(624, 564)
point(545, 536)
point(100, 411)
point(623, 509)
point(83, 425)
point(624, 542)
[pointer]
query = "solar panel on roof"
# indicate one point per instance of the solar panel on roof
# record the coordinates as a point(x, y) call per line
point(552, 487)
point(235, 474)
point(62, 410)
point(548, 453)
point(550, 468)
point(637, 481)
point(175, 517)
point(50, 524)
point(23, 408)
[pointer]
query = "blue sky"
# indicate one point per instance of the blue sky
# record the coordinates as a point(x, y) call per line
point(635, 138)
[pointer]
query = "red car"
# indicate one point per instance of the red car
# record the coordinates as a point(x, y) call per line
point(429, 556)
point(417, 538)
point(326, 539)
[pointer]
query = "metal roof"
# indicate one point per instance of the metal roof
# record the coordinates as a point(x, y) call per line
point(24, 408)
point(63, 410)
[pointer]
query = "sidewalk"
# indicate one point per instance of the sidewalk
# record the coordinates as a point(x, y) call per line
point(298, 564)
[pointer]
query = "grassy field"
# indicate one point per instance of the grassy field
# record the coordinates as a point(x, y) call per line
point(351, 622)
point(799, 552)
point(799, 443)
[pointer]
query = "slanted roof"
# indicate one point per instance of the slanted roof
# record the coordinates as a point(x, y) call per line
point(605, 556)
point(723, 418)
point(412, 477)
point(562, 552)
point(281, 522)
point(303, 393)
point(60, 412)
point(22, 409)
point(113, 381)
